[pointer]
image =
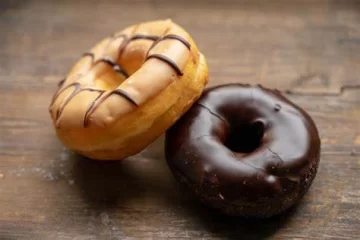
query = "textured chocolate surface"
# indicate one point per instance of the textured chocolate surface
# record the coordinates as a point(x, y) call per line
point(246, 150)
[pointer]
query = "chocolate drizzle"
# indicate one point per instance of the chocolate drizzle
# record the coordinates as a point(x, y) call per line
point(99, 100)
point(108, 61)
point(114, 65)
point(91, 109)
point(124, 95)
point(61, 83)
point(136, 37)
point(77, 90)
point(74, 92)
point(102, 97)
point(176, 37)
point(170, 36)
point(89, 54)
point(144, 37)
point(59, 92)
point(166, 60)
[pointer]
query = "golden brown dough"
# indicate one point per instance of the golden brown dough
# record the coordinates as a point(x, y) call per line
point(128, 90)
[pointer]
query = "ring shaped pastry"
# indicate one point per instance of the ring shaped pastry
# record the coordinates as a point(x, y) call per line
point(125, 92)
point(245, 150)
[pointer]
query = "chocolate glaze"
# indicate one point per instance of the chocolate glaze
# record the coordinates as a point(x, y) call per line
point(166, 60)
point(98, 100)
point(244, 150)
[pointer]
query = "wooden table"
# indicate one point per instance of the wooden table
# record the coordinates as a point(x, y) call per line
point(311, 48)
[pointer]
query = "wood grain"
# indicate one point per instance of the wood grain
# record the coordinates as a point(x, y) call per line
point(47, 192)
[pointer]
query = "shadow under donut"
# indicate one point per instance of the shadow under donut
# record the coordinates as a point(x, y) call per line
point(232, 227)
point(103, 182)
point(107, 184)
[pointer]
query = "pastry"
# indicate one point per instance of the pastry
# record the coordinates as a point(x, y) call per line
point(245, 150)
point(128, 89)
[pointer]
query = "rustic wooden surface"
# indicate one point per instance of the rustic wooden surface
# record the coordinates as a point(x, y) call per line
point(311, 48)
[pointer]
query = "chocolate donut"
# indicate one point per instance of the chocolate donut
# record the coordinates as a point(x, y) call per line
point(245, 150)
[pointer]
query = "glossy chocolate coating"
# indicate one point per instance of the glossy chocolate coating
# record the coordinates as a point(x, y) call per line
point(245, 150)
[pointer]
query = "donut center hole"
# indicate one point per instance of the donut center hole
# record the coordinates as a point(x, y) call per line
point(245, 138)
point(107, 78)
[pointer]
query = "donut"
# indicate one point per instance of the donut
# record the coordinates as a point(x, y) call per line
point(244, 150)
point(127, 90)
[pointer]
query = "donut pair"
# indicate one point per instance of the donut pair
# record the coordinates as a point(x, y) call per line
point(245, 150)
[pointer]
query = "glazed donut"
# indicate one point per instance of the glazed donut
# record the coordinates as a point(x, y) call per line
point(245, 150)
point(128, 89)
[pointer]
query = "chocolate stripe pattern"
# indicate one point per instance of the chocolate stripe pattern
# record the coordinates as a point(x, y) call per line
point(102, 96)
point(166, 60)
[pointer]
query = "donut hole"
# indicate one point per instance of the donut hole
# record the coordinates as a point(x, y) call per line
point(245, 137)
point(107, 78)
